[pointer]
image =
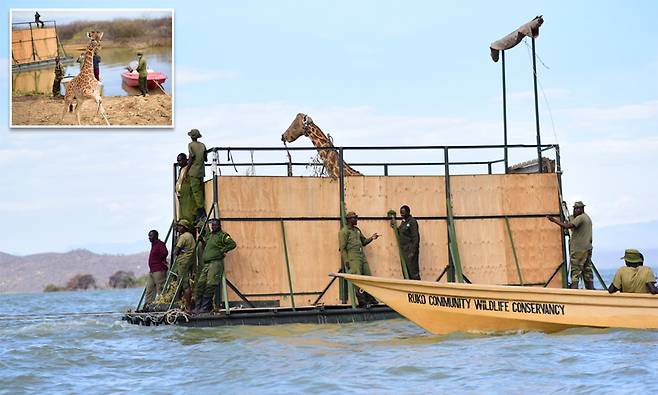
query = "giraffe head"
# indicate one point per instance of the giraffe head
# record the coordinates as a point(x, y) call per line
point(298, 127)
point(95, 39)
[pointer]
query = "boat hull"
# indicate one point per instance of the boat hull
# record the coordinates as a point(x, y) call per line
point(445, 308)
point(132, 79)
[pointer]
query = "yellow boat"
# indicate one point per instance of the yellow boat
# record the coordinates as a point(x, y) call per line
point(442, 308)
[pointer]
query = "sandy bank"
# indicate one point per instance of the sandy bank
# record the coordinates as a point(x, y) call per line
point(153, 110)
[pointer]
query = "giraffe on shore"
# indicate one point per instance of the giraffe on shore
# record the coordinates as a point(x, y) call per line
point(85, 86)
point(303, 125)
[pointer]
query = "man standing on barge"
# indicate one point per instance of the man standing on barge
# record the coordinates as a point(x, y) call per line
point(184, 262)
point(351, 242)
point(580, 245)
point(186, 204)
point(157, 267)
point(216, 246)
point(410, 241)
point(197, 171)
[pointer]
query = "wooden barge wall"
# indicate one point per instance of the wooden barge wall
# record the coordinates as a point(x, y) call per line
point(33, 45)
point(257, 210)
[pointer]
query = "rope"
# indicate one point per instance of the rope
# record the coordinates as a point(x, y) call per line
point(172, 316)
point(229, 157)
point(51, 316)
point(541, 88)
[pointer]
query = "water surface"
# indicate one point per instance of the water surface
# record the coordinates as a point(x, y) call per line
point(113, 63)
point(102, 354)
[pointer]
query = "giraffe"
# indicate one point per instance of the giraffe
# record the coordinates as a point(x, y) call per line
point(303, 125)
point(85, 86)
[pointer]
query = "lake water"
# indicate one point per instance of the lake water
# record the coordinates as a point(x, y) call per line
point(102, 354)
point(114, 62)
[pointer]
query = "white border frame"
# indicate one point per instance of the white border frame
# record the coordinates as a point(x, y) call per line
point(78, 127)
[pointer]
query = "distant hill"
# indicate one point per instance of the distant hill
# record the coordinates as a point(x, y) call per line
point(31, 273)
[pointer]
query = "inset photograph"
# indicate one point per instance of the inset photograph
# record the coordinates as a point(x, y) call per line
point(92, 68)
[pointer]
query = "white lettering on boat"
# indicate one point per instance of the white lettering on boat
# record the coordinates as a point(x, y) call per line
point(514, 306)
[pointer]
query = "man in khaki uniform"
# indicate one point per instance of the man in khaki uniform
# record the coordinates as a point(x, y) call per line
point(197, 171)
point(635, 277)
point(351, 242)
point(184, 261)
point(186, 204)
point(216, 246)
point(580, 245)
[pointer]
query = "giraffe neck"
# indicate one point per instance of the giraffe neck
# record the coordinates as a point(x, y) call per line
point(88, 64)
point(329, 157)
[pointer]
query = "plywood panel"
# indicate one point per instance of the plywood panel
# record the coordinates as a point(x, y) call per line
point(257, 265)
point(313, 254)
point(486, 251)
point(374, 196)
point(45, 43)
point(538, 247)
point(255, 196)
point(482, 249)
point(504, 194)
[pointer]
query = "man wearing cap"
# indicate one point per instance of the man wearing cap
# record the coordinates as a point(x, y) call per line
point(580, 245)
point(215, 248)
point(186, 205)
point(197, 171)
point(351, 242)
point(184, 261)
point(410, 241)
point(635, 277)
point(143, 73)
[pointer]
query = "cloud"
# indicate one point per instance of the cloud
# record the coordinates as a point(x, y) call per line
point(186, 75)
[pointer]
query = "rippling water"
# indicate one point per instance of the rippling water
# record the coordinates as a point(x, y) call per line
point(102, 354)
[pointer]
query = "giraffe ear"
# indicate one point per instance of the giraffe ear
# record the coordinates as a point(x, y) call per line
point(100, 36)
point(88, 34)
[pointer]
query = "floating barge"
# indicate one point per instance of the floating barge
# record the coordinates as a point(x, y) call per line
point(487, 226)
point(33, 47)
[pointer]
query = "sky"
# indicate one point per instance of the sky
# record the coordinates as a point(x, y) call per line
point(369, 73)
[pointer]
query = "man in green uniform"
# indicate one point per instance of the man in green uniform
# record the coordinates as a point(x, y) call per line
point(410, 241)
point(143, 73)
point(216, 246)
point(635, 277)
point(351, 242)
point(186, 205)
point(580, 245)
point(197, 171)
point(59, 74)
point(184, 261)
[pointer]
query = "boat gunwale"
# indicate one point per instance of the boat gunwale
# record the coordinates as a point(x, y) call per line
point(618, 299)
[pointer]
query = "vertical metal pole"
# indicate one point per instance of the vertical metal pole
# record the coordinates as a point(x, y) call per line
point(165, 287)
point(343, 287)
point(564, 272)
point(385, 170)
point(534, 79)
point(220, 292)
point(489, 167)
point(451, 266)
point(175, 217)
point(504, 115)
point(516, 258)
point(285, 252)
point(34, 53)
